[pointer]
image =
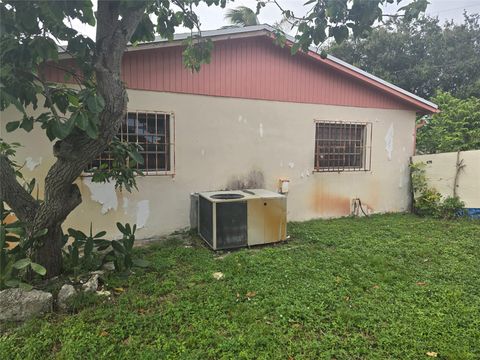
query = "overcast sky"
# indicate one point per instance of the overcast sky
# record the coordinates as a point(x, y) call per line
point(213, 17)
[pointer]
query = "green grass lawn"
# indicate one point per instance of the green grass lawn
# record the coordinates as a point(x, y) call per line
point(384, 287)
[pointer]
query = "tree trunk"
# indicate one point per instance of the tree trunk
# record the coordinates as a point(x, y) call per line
point(49, 252)
point(75, 152)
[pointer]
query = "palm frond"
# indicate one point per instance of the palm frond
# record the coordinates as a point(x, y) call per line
point(242, 16)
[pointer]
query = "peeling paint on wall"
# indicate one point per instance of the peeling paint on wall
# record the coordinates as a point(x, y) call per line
point(104, 194)
point(389, 142)
point(291, 164)
point(260, 130)
point(31, 164)
point(143, 212)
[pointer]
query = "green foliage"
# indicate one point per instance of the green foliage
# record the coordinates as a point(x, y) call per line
point(242, 16)
point(84, 253)
point(455, 128)
point(338, 19)
point(451, 207)
point(197, 52)
point(123, 166)
point(421, 56)
point(14, 262)
point(9, 150)
point(27, 40)
point(89, 252)
point(383, 287)
point(122, 250)
point(428, 201)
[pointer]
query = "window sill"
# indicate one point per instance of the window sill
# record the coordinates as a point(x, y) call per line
point(145, 173)
point(340, 170)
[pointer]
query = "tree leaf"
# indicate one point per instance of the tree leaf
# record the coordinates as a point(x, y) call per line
point(25, 286)
point(12, 126)
point(92, 129)
point(27, 123)
point(135, 155)
point(12, 283)
point(39, 269)
point(81, 120)
point(21, 264)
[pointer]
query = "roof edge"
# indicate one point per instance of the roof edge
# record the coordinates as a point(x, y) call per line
point(265, 29)
point(364, 73)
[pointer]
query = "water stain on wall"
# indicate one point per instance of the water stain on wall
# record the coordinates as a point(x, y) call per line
point(253, 180)
point(328, 204)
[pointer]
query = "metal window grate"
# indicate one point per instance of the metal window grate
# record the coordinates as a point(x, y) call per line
point(342, 146)
point(154, 132)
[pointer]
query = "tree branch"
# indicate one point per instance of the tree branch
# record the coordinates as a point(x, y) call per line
point(17, 198)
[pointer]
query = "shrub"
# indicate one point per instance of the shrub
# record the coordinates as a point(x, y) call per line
point(451, 207)
point(427, 201)
point(16, 267)
point(90, 252)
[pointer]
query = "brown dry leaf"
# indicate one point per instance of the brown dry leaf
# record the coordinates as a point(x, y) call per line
point(376, 287)
point(142, 311)
point(126, 341)
point(251, 294)
point(421, 283)
point(347, 298)
point(432, 353)
point(104, 333)
point(119, 290)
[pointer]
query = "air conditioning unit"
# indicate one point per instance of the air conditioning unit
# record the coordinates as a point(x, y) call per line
point(232, 219)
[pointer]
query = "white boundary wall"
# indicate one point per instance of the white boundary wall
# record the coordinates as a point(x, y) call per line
point(441, 171)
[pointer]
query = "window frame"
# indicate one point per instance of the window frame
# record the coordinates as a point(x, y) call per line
point(365, 156)
point(170, 143)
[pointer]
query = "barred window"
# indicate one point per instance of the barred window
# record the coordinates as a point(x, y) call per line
point(153, 132)
point(342, 146)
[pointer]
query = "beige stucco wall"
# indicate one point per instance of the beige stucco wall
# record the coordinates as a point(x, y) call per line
point(222, 140)
point(441, 169)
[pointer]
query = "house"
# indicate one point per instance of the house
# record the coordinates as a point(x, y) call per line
point(254, 115)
